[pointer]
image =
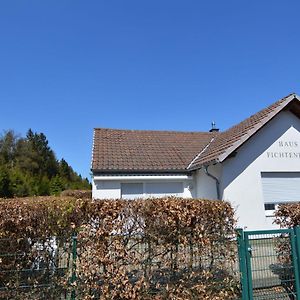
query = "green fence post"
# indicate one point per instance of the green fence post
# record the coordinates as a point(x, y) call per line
point(248, 250)
point(242, 263)
point(74, 257)
point(296, 259)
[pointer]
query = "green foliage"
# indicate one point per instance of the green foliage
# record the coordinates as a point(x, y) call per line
point(5, 190)
point(19, 183)
point(29, 167)
point(56, 185)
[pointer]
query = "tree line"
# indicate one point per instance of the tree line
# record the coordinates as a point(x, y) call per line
point(29, 167)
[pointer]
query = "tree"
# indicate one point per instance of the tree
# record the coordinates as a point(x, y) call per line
point(44, 186)
point(65, 171)
point(5, 191)
point(42, 153)
point(56, 185)
point(28, 166)
point(7, 147)
point(19, 183)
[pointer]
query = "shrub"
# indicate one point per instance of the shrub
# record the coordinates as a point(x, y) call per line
point(167, 248)
point(288, 215)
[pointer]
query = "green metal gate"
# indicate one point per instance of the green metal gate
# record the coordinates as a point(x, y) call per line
point(269, 264)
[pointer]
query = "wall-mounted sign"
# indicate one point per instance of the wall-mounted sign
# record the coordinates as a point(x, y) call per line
point(285, 149)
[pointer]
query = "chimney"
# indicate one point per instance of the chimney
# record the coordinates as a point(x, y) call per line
point(213, 127)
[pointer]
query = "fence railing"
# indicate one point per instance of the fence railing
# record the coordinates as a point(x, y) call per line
point(59, 267)
point(269, 263)
point(70, 267)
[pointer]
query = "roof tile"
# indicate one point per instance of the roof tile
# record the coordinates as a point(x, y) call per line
point(144, 150)
point(141, 150)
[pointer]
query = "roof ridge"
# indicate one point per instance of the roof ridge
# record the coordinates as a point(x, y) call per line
point(201, 152)
point(147, 130)
point(262, 110)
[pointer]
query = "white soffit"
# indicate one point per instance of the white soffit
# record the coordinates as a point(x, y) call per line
point(144, 177)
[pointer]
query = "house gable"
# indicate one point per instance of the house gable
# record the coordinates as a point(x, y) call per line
point(274, 149)
point(225, 143)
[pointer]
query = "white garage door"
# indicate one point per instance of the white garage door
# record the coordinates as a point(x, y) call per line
point(151, 189)
point(132, 190)
point(280, 187)
point(161, 189)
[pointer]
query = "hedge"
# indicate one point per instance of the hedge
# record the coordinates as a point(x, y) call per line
point(288, 215)
point(168, 248)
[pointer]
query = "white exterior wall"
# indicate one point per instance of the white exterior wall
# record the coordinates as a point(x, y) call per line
point(106, 189)
point(206, 186)
point(110, 186)
point(241, 180)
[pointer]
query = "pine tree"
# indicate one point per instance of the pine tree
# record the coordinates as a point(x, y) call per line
point(42, 154)
point(5, 191)
point(56, 185)
point(29, 167)
point(65, 171)
point(7, 147)
point(19, 183)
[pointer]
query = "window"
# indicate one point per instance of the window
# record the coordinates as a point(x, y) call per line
point(269, 206)
point(279, 188)
point(131, 190)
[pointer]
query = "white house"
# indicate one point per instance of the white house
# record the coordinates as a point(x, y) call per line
point(255, 164)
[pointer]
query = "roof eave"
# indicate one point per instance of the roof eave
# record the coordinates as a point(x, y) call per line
point(207, 163)
point(169, 171)
point(256, 128)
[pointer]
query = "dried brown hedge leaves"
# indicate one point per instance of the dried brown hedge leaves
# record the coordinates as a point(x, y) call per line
point(288, 215)
point(167, 248)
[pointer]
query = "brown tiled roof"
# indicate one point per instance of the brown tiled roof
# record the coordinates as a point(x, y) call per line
point(228, 141)
point(142, 151)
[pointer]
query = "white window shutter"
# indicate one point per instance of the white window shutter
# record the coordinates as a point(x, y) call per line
point(281, 187)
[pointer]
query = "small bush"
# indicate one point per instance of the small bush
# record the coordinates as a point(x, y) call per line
point(288, 215)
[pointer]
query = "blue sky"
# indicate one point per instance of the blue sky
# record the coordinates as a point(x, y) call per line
point(67, 66)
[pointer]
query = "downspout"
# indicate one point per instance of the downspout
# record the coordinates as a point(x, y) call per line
point(216, 180)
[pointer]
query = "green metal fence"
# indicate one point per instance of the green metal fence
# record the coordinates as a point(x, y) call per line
point(36, 268)
point(269, 264)
point(45, 268)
